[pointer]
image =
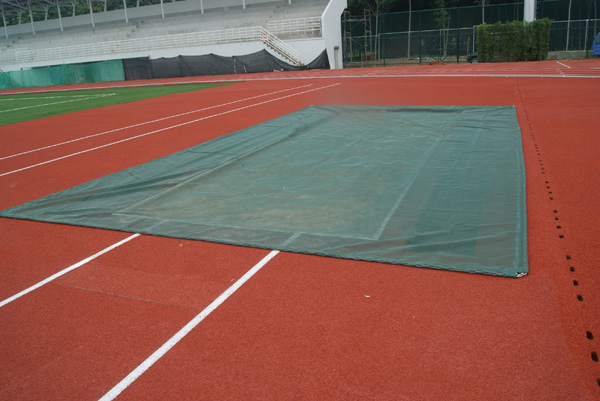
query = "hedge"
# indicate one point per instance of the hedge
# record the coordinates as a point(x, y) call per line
point(513, 41)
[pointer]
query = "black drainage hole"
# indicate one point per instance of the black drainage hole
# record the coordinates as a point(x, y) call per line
point(575, 282)
point(579, 297)
point(556, 218)
point(594, 356)
point(551, 198)
point(558, 227)
point(561, 236)
point(598, 380)
point(556, 211)
point(589, 335)
point(572, 269)
point(568, 257)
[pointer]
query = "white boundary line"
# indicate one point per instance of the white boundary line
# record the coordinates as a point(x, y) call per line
point(79, 99)
point(67, 270)
point(152, 121)
point(238, 78)
point(165, 129)
point(564, 65)
point(159, 353)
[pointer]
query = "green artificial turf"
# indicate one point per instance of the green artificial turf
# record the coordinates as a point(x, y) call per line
point(24, 107)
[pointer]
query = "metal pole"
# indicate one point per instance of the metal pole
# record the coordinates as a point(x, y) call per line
point(585, 43)
point(91, 13)
point(31, 17)
point(59, 15)
point(4, 21)
point(420, 40)
point(162, 9)
point(529, 10)
point(201, 6)
point(125, 8)
point(409, 27)
point(569, 24)
point(457, 36)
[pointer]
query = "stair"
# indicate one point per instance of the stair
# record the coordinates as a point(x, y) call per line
point(279, 46)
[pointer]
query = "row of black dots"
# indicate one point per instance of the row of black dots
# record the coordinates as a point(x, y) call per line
point(589, 335)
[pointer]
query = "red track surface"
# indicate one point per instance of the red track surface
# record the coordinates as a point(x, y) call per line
point(305, 327)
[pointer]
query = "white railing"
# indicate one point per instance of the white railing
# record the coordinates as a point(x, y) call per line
point(296, 27)
point(110, 48)
point(280, 46)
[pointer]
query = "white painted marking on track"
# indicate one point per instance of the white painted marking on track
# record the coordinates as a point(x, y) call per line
point(159, 353)
point(564, 65)
point(152, 121)
point(46, 97)
point(79, 99)
point(67, 270)
point(165, 129)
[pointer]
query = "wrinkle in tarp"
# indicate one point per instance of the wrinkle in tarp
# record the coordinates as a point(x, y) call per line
point(432, 186)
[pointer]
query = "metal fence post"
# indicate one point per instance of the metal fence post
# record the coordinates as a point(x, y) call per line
point(420, 39)
point(585, 41)
point(458, 36)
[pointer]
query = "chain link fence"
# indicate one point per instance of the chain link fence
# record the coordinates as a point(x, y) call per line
point(448, 35)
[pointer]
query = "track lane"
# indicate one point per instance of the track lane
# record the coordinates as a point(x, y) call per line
point(300, 317)
point(324, 328)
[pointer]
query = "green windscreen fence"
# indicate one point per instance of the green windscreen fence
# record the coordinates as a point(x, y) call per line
point(101, 71)
point(440, 187)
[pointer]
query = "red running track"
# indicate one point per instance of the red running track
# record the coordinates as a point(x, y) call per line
point(303, 327)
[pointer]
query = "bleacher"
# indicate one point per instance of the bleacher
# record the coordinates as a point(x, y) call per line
point(298, 19)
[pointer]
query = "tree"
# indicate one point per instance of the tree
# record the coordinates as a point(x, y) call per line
point(442, 19)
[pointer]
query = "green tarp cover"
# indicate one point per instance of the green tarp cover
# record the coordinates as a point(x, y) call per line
point(433, 186)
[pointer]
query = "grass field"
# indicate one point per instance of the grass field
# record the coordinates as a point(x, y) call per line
point(23, 107)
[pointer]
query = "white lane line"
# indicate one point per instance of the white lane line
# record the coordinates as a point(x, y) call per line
point(47, 97)
point(53, 103)
point(165, 129)
point(564, 65)
point(159, 353)
point(67, 270)
point(153, 121)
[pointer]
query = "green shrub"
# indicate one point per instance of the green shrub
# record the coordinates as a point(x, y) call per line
point(513, 41)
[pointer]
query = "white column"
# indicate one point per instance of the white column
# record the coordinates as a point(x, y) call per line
point(529, 10)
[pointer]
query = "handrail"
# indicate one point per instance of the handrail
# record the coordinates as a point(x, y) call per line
point(280, 46)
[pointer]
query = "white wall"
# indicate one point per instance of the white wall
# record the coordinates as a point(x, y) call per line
point(331, 23)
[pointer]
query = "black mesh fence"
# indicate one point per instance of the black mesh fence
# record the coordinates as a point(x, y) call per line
point(212, 64)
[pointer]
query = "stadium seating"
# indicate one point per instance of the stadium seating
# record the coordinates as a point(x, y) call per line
point(291, 20)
